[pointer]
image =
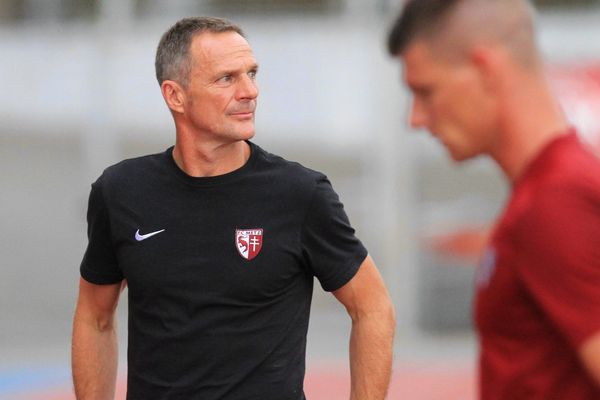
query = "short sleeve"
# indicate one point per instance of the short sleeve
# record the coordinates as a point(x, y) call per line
point(329, 245)
point(99, 263)
point(560, 241)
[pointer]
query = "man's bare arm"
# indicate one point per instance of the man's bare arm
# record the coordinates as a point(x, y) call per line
point(373, 325)
point(94, 346)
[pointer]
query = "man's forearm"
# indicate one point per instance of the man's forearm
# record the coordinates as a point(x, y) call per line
point(371, 355)
point(94, 360)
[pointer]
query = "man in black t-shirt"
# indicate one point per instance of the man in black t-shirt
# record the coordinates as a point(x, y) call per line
point(219, 241)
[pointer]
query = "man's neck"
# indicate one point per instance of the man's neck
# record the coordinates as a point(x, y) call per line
point(533, 119)
point(198, 158)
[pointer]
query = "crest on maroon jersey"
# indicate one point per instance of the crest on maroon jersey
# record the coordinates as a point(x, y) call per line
point(248, 242)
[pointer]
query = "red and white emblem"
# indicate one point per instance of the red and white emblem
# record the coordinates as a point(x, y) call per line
point(248, 242)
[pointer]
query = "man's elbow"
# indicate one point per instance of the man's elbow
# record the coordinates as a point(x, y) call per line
point(382, 312)
point(99, 322)
point(389, 314)
point(105, 324)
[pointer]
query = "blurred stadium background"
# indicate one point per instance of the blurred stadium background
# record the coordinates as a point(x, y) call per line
point(79, 93)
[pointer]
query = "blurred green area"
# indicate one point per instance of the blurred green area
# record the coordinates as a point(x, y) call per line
point(65, 10)
point(566, 3)
point(19, 10)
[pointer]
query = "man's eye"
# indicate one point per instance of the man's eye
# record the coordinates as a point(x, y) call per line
point(423, 93)
point(252, 74)
point(225, 79)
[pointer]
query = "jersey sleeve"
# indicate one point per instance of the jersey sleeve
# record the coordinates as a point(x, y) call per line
point(560, 241)
point(329, 245)
point(99, 265)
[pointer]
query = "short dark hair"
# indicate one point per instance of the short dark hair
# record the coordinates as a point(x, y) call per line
point(172, 55)
point(418, 17)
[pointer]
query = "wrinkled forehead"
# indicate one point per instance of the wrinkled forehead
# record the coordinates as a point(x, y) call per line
point(215, 49)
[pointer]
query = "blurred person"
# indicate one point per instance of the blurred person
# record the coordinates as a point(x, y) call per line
point(479, 86)
point(218, 242)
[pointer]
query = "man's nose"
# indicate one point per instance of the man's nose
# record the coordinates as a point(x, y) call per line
point(418, 115)
point(247, 90)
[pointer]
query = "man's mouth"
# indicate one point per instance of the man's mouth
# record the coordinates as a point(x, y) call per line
point(242, 114)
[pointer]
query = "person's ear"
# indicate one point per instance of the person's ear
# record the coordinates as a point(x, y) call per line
point(486, 61)
point(174, 95)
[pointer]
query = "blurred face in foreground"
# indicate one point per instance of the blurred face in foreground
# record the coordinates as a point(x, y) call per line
point(450, 100)
point(221, 94)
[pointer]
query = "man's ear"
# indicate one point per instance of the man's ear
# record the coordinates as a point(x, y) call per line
point(174, 96)
point(487, 61)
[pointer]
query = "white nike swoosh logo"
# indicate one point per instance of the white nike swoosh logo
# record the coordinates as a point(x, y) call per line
point(139, 237)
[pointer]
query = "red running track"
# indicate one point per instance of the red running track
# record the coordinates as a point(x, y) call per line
point(330, 381)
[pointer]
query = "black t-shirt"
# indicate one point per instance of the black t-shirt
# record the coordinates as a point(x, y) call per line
point(219, 270)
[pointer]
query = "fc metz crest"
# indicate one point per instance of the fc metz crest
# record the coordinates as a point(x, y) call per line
point(248, 242)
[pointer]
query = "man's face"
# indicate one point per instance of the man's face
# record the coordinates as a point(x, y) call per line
point(221, 93)
point(449, 100)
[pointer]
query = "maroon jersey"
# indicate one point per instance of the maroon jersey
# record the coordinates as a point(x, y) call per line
point(538, 284)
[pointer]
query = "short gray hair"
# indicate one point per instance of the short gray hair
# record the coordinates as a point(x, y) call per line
point(173, 60)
